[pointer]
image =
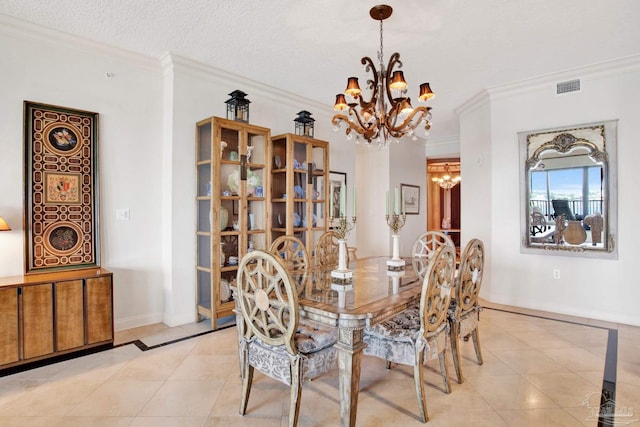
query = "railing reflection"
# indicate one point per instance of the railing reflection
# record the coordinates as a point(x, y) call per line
point(593, 206)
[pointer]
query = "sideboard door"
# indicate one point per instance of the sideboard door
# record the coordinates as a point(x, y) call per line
point(99, 291)
point(9, 344)
point(37, 320)
point(69, 315)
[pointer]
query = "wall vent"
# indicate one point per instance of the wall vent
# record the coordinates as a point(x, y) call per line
point(568, 86)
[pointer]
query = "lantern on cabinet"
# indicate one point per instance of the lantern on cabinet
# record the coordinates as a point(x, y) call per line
point(238, 106)
point(304, 123)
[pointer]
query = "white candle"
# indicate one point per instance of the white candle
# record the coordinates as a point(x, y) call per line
point(396, 205)
point(343, 201)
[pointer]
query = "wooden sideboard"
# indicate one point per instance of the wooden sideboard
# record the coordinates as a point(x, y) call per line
point(52, 314)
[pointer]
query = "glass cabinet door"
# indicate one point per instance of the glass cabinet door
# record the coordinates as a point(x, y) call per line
point(298, 188)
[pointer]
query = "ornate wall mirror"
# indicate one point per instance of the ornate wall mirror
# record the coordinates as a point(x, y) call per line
point(568, 190)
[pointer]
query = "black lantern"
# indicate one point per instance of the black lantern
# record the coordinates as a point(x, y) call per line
point(238, 106)
point(304, 124)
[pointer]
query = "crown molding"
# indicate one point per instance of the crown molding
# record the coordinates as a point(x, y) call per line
point(592, 71)
point(172, 62)
point(478, 100)
point(14, 27)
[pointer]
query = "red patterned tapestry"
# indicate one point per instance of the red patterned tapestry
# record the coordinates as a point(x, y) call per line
point(61, 227)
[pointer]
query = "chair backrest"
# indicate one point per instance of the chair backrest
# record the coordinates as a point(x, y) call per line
point(561, 207)
point(295, 258)
point(326, 250)
point(436, 289)
point(470, 273)
point(424, 249)
point(267, 300)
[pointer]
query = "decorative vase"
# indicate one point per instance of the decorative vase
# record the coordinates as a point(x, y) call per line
point(224, 217)
point(222, 258)
point(575, 234)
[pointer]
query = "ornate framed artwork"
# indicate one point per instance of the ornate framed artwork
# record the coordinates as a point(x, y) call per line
point(411, 194)
point(61, 188)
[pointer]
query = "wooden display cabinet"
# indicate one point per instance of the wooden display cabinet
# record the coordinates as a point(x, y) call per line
point(233, 175)
point(299, 188)
point(46, 315)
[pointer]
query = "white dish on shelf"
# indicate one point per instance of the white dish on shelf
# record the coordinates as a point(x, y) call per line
point(225, 290)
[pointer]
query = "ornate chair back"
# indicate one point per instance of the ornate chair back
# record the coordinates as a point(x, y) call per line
point(424, 248)
point(267, 300)
point(326, 251)
point(436, 290)
point(295, 258)
point(464, 313)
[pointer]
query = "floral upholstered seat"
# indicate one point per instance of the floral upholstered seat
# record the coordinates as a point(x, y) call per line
point(408, 337)
point(271, 336)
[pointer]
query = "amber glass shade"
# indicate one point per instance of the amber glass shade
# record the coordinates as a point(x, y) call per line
point(397, 81)
point(3, 225)
point(425, 92)
point(341, 102)
point(353, 88)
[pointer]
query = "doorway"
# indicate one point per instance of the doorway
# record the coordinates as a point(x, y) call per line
point(443, 204)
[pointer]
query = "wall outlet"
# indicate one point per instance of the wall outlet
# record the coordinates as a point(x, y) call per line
point(122, 214)
point(556, 273)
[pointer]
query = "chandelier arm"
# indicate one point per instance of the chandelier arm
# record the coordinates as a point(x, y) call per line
point(407, 122)
point(367, 132)
point(393, 62)
point(373, 84)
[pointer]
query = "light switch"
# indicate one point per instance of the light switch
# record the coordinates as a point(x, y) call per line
point(122, 214)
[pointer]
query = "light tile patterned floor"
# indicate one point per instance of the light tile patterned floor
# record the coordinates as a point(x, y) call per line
point(537, 372)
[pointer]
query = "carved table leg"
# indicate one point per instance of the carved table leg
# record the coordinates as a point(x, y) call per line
point(350, 345)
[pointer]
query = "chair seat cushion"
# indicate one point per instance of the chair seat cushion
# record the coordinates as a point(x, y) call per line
point(311, 337)
point(396, 339)
point(315, 342)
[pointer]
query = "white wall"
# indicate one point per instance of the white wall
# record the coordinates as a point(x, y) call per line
point(198, 92)
point(49, 67)
point(597, 288)
point(147, 115)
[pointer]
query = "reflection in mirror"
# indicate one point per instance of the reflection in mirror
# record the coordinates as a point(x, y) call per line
point(568, 195)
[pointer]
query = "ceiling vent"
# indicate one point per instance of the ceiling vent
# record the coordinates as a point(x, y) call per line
point(568, 86)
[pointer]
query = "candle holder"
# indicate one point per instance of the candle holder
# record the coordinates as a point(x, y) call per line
point(342, 228)
point(396, 222)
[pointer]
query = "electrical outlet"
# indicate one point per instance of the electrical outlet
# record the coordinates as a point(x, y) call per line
point(122, 214)
point(556, 273)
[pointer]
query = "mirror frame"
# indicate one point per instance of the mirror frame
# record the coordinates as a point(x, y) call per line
point(600, 140)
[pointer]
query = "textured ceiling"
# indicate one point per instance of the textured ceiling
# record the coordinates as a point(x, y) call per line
point(310, 47)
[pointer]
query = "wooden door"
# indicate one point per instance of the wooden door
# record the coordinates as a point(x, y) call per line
point(98, 292)
point(9, 345)
point(37, 320)
point(69, 315)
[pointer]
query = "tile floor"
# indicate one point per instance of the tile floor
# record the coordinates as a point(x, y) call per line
point(540, 370)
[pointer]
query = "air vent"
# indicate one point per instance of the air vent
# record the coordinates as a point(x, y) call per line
point(568, 86)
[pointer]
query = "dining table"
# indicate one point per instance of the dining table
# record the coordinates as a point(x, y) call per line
point(371, 296)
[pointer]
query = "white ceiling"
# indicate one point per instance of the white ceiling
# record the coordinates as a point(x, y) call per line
point(311, 47)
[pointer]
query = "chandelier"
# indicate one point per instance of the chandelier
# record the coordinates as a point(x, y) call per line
point(445, 181)
point(373, 119)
